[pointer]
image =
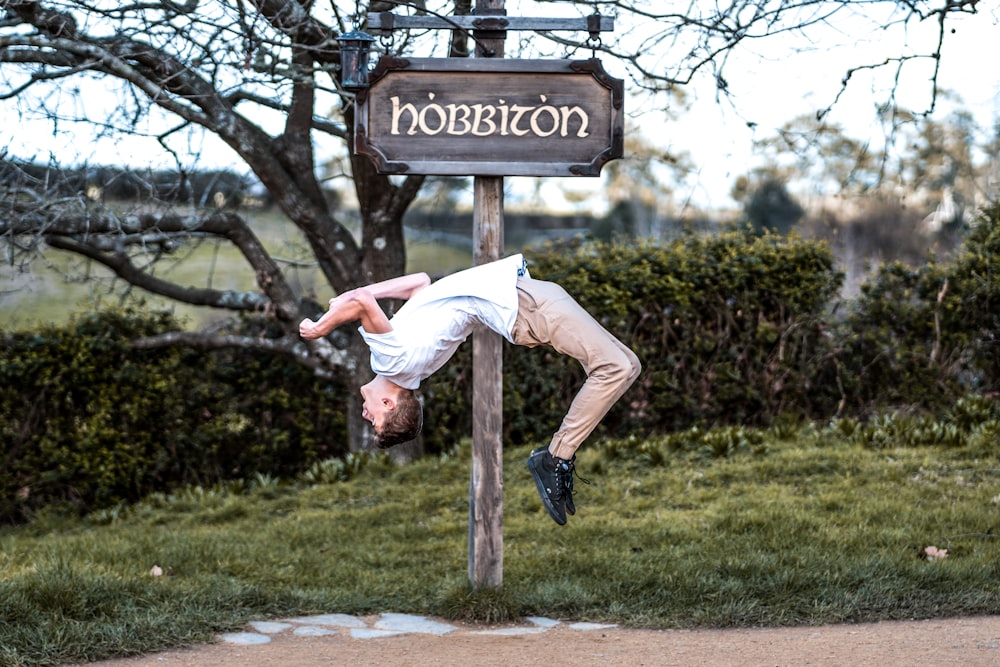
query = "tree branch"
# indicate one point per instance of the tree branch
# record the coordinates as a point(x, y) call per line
point(705, 34)
point(100, 235)
point(95, 57)
point(317, 356)
point(124, 268)
point(320, 124)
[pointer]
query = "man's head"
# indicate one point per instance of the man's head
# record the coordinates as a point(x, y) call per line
point(394, 412)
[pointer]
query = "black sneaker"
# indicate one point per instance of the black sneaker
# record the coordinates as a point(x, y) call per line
point(554, 479)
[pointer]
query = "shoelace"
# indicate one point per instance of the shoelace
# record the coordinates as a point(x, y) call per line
point(565, 471)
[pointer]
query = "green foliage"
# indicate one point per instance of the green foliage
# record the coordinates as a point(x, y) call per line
point(727, 326)
point(919, 337)
point(974, 306)
point(343, 469)
point(961, 426)
point(87, 421)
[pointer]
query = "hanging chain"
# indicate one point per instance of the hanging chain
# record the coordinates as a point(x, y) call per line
point(360, 12)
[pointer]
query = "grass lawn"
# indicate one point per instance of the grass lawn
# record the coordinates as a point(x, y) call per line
point(817, 526)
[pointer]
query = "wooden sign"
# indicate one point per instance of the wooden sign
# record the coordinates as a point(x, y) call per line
point(490, 117)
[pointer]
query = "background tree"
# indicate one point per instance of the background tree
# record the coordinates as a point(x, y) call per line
point(822, 158)
point(936, 164)
point(216, 66)
point(770, 208)
point(258, 80)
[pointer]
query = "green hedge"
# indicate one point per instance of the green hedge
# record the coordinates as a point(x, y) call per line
point(87, 421)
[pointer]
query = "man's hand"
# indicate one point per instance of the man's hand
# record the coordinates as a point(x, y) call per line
point(309, 329)
point(341, 309)
point(356, 304)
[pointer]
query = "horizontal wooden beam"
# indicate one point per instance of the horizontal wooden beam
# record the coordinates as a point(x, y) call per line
point(390, 21)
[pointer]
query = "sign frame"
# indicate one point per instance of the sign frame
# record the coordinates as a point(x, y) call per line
point(399, 156)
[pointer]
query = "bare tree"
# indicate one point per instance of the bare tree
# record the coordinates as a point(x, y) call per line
point(213, 65)
point(230, 67)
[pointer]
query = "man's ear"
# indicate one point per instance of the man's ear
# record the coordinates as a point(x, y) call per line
point(388, 403)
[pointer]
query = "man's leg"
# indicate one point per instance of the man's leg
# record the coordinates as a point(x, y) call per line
point(548, 315)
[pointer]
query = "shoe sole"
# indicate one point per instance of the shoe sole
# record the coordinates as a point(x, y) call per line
point(543, 494)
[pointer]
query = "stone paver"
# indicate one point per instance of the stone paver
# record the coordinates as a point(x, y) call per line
point(386, 625)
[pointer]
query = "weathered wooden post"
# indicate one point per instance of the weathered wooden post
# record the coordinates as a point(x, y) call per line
point(486, 484)
point(489, 117)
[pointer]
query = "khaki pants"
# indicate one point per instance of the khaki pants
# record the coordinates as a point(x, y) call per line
point(548, 315)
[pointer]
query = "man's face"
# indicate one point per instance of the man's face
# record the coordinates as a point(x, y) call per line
point(374, 407)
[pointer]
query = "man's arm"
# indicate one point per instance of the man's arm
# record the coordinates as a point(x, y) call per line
point(403, 287)
point(362, 304)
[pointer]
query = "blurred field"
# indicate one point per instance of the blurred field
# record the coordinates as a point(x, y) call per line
point(57, 285)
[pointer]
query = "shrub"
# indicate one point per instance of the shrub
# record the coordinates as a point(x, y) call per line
point(919, 337)
point(88, 422)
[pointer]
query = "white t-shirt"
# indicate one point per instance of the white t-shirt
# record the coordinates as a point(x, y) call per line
point(428, 328)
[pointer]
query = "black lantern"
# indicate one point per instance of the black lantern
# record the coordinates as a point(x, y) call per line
point(354, 49)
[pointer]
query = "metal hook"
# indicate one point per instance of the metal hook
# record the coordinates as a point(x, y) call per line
point(386, 39)
point(594, 28)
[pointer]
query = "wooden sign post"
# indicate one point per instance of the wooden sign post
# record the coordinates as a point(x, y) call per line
point(486, 482)
point(488, 117)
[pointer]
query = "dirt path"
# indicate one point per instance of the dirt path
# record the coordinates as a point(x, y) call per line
point(969, 642)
